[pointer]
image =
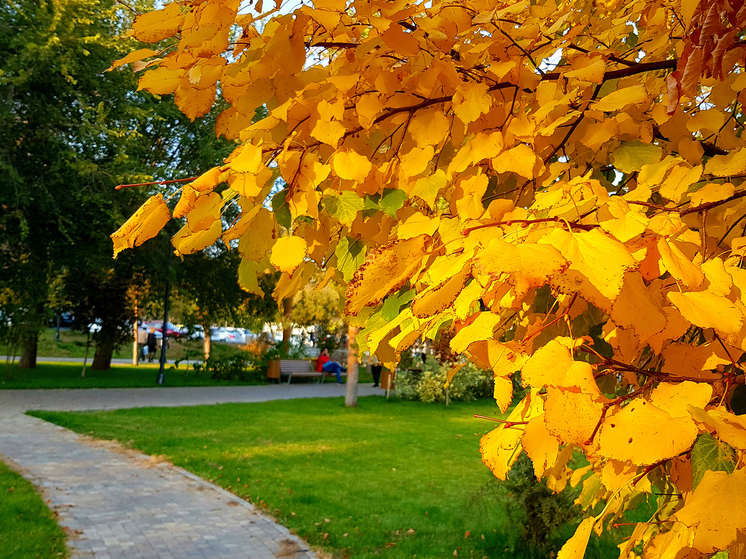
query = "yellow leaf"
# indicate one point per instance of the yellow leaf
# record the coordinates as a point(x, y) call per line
point(480, 329)
point(439, 297)
point(186, 202)
point(730, 428)
point(713, 511)
point(145, 224)
point(726, 165)
point(575, 547)
point(674, 398)
point(471, 100)
point(207, 181)
point(521, 159)
point(194, 102)
point(706, 310)
point(350, 165)
point(589, 68)
point(571, 416)
point(644, 434)
point(158, 25)
point(248, 160)
point(188, 241)
point(247, 276)
point(684, 360)
point(597, 264)
point(367, 108)
point(678, 265)
point(632, 156)
point(503, 392)
point(711, 120)
point(138, 54)
point(416, 160)
point(288, 253)
point(328, 132)
point(428, 187)
point(418, 224)
point(385, 270)
point(527, 265)
point(500, 447)
point(553, 365)
point(160, 81)
point(429, 128)
point(617, 100)
point(260, 236)
point(542, 448)
point(452, 373)
point(636, 307)
point(206, 210)
point(712, 192)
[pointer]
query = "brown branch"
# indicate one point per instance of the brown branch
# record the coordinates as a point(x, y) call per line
point(709, 205)
point(527, 222)
point(507, 424)
point(626, 72)
point(615, 402)
point(121, 186)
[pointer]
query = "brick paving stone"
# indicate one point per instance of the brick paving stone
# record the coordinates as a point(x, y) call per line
point(122, 505)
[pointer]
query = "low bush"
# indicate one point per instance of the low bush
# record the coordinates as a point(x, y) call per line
point(237, 366)
point(428, 385)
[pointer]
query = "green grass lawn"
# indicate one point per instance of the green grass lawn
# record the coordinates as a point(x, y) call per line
point(27, 528)
point(67, 375)
point(72, 344)
point(387, 479)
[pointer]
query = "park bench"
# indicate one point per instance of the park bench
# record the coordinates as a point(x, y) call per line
point(301, 368)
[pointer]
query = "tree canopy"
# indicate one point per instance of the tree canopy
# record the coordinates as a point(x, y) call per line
point(560, 185)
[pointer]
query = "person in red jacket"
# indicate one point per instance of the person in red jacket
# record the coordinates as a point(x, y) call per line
point(326, 365)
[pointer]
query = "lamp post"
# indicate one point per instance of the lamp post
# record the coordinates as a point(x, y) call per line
point(164, 340)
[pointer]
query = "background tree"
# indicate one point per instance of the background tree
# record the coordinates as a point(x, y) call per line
point(560, 184)
point(207, 280)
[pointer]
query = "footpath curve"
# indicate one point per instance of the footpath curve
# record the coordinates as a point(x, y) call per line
point(122, 504)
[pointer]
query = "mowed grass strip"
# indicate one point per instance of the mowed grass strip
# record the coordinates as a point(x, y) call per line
point(387, 479)
point(68, 375)
point(27, 527)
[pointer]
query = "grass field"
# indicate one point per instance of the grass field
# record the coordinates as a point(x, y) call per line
point(387, 479)
point(67, 375)
point(72, 344)
point(27, 528)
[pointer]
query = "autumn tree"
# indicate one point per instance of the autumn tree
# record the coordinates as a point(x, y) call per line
point(560, 185)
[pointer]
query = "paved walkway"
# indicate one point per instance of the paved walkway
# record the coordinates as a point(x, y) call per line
point(121, 504)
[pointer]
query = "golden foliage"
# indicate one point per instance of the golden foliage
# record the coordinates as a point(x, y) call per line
point(559, 184)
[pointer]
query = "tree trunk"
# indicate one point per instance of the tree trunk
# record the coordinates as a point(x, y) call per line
point(207, 343)
point(102, 356)
point(29, 346)
point(287, 325)
point(135, 347)
point(352, 367)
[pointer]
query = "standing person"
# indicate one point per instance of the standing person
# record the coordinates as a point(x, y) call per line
point(326, 365)
point(142, 340)
point(152, 344)
point(375, 369)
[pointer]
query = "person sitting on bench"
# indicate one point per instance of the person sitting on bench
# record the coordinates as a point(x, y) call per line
point(326, 365)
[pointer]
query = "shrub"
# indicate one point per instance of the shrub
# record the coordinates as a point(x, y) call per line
point(469, 383)
point(237, 366)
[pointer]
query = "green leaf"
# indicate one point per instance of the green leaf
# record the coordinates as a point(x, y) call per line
point(392, 305)
point(350, 256)
point(344, 207)
point(392, 200)
point(281, 209)
point(631, 156)
point(710, 454)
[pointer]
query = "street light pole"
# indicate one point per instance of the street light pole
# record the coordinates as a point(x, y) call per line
point(164, 340)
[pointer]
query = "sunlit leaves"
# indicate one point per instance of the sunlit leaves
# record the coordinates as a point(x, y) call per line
point(144, 225)
point(560, 189)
